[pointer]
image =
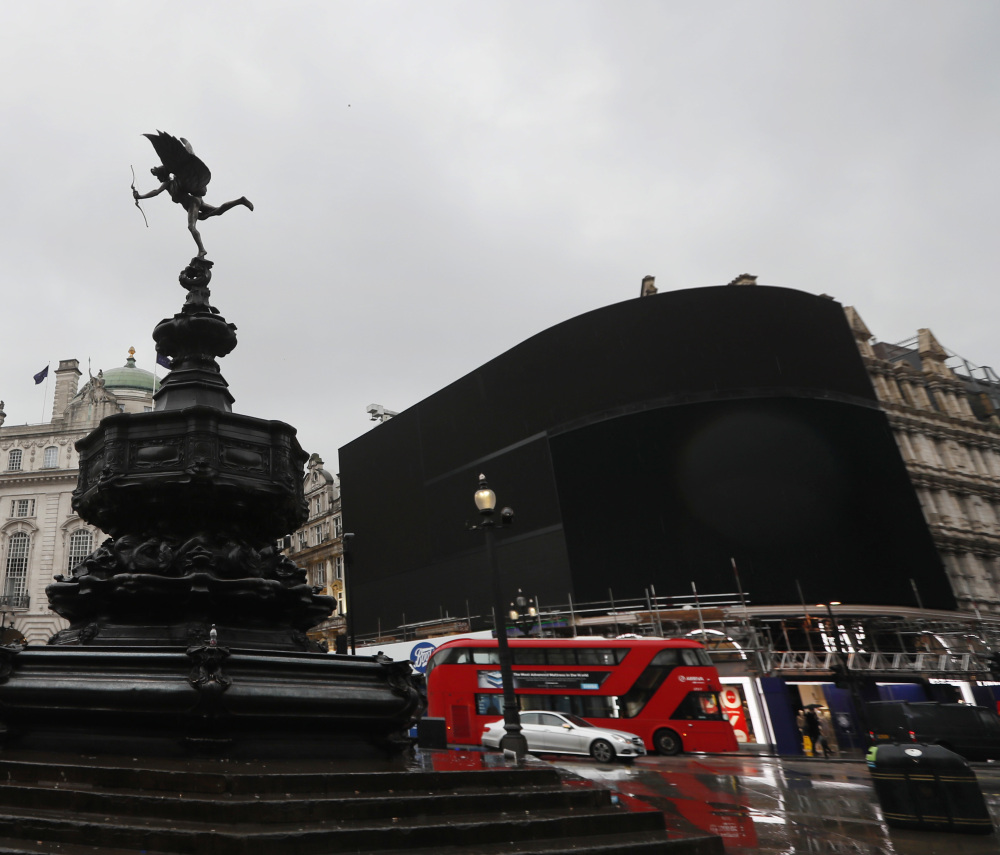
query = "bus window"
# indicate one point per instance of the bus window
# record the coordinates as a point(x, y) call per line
point(699, 706)
point(601, 655)
point(448, 656)
point(528, 655)
point(485, 656)
point(567, 656)
point(489, 704)
point(651, 678)
point(695, 658)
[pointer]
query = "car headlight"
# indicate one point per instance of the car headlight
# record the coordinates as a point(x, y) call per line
point(623, 739)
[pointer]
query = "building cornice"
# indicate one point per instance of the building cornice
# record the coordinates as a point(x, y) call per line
point(923, 476)
point(957, 540)
point(905, 417)
point(46, 476)
point(332, 547)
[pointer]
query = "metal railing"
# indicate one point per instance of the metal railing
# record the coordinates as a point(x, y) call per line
point(916, 663)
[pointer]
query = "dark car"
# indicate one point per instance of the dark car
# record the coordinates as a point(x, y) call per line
point(972, 731)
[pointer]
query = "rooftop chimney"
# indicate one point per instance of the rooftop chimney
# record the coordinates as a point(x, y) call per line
point(67, 381)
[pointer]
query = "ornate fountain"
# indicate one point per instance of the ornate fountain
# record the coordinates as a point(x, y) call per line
point(187, 626)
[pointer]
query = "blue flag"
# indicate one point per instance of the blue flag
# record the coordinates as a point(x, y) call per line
point(41, 375)
point(163, 359)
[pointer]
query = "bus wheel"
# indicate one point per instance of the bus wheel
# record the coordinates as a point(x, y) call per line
point(602, 751)
point(667, 742)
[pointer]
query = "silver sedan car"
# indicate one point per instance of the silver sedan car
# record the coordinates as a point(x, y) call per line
point(561, 733)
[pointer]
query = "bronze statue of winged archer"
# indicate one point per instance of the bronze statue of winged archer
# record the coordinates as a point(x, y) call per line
point(185, 177)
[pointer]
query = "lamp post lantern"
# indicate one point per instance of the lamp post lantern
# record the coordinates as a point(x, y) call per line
point(523, 612)
point(486, 501)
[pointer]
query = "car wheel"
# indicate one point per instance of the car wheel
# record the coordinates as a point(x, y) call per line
point(602, 751)
point(667, 742)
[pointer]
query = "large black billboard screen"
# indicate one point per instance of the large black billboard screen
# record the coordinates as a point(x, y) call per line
point(646, 443)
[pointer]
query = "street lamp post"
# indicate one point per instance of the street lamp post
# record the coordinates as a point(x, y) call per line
point(513, 740)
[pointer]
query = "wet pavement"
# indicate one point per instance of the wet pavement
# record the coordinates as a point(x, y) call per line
point(770, 804)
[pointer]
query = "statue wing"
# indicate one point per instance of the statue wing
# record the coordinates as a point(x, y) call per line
point(189, 171)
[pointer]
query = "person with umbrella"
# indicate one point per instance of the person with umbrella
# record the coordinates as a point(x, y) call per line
point(814, 732)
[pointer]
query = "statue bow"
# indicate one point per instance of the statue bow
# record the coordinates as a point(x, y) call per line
point(135, 198)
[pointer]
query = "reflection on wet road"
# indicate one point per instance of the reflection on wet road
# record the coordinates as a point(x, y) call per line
point(765, 804)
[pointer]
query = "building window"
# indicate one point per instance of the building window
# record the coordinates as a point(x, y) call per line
point(16, 582)
point(338, 526)
point(303, 539)
point(51, 458)
point(324, 531)
point(338, 567)
point(14, 460)
point(22, 508)
point(80, 543)
point(319, 575)
point(316, 535)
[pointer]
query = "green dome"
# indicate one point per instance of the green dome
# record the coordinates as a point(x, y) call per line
point(130, 377)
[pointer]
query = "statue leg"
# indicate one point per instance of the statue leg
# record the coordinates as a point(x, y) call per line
point(193, 216)
point(211, 211)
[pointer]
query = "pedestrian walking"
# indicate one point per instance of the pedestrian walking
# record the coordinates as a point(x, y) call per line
point(826, 736)
point(811, 724)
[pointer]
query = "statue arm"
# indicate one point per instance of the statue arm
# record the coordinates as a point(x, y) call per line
point(137, 195)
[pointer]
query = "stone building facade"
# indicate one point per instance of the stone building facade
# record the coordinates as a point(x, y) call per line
point(945, 422)
point(40, 534)
point(318, 546)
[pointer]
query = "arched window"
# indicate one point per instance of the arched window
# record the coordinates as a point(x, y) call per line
point(80, 544)
point(16, 581)
point(51, 459)
point(14, 460)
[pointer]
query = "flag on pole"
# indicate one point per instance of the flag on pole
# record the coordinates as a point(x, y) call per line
point(41, 375)
point(163, 359)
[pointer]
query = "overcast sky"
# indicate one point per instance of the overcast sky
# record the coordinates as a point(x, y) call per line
point(434, 182)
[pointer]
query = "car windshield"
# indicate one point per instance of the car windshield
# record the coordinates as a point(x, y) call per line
point(575, 719)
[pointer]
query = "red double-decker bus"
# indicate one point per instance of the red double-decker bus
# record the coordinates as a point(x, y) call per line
point(663, 690)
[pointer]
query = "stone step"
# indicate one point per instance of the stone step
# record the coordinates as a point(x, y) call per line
point(13, 846)
point(297, 808)
point(201, 778)
point(632, 843)
point(413, 833)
